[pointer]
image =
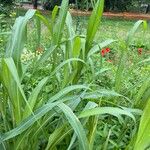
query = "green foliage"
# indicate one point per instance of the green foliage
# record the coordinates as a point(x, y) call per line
point(6, 7)
point(67, 96)
point(143, 141)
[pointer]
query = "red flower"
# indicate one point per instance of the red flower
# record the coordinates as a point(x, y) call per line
point(105, 51)
point(140, 51)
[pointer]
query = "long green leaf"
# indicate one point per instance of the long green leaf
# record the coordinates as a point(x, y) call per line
point(33, 97)
point(89, 105)
point(11, 81)
point(141, 91)
point(106, 110)
point(143, 137)
point(134, 29)
point(25, 124)
point(67, 90)
point(93, 24)
point(60, 22)
point(76, 125)
point(18, 36)
point(101, 45)
point(57, 136)
point(66, 62)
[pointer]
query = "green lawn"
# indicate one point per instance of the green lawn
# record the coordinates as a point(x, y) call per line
point(115, 29)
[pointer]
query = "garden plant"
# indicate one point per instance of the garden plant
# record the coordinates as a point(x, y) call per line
point(74, 92)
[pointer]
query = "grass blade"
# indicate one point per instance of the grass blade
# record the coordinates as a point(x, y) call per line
point(18, 36)
point(101, 45)
point(93, 25)
point(134, 29)
point(143, 137)
point(60, 22)
point(25, 124)
point(76, 125)
point(33, 97)
point(106, 110)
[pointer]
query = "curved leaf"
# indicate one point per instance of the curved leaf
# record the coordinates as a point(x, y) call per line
point(99, 46)
point(106, 110)
point(76, 125)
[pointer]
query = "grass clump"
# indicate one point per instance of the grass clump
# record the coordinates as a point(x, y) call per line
point(63, 90)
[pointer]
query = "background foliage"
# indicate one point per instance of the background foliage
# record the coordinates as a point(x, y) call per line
point(110, 5)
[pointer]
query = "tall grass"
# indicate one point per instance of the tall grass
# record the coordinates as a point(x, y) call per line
point(53, 101)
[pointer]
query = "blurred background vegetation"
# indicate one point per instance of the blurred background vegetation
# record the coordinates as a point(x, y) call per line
point(142, 6)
